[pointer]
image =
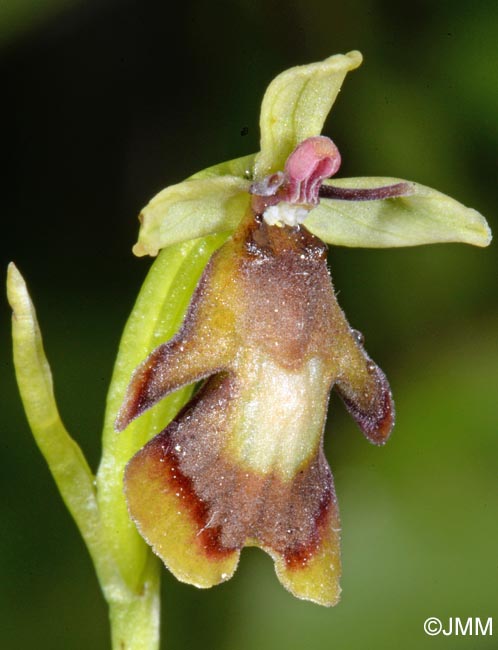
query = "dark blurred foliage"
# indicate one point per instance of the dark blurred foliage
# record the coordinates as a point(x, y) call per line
point(104, 103)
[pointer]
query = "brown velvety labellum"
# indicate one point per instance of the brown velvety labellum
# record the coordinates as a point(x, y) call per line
point(242, 464)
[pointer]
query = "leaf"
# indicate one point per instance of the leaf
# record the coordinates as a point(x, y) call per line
point(156, 316)
point(64, 457)
point(296, 105)
point(201, 206)
point(424, 217)
point(134, 611)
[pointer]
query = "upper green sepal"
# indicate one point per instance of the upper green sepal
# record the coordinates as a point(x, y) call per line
point(296, 105)
point(423, 217)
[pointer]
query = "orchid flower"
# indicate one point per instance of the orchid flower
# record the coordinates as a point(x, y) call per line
point(243, 463)
point(239, 299)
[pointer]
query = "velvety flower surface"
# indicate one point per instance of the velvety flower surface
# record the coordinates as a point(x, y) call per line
point(242, 464)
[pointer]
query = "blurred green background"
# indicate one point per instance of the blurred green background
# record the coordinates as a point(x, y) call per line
point(107, 101)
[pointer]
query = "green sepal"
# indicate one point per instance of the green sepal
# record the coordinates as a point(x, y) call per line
point(423, 217)
point(206, 204)
point(295, 107)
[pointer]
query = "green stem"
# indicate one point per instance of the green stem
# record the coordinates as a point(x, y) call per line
point(156, 316)
point(128, 572)
point(135, 616)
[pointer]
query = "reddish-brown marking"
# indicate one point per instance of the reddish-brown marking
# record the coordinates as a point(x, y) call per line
point(376, 420)
point(291, 518)
point(297, 557)
point(137, 398)
point(372, 194)
point(209, 538)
